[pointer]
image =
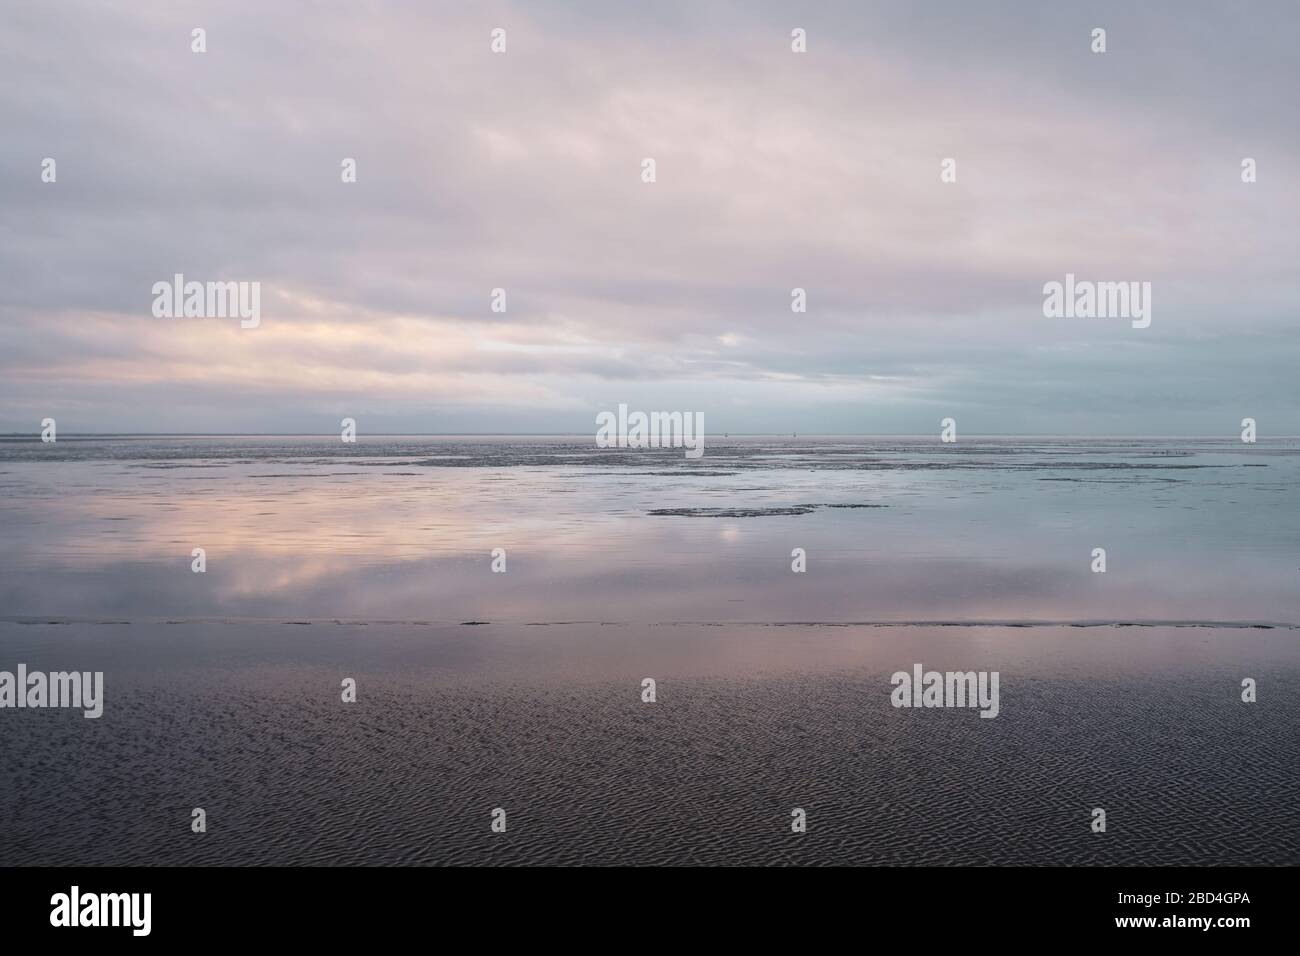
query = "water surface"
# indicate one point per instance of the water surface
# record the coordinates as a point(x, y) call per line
point(522, 690)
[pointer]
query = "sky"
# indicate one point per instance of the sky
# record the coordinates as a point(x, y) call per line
point(774, 170)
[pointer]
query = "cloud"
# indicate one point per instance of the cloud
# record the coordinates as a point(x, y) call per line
point(521, 171)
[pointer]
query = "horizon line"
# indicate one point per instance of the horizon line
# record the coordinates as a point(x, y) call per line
point(554, 434)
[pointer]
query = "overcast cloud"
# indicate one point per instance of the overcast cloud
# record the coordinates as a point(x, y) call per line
point(775, 170)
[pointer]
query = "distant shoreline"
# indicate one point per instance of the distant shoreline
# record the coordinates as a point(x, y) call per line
point(1225, 436)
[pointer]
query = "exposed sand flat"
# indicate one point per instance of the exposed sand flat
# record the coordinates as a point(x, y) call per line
point(246, 721)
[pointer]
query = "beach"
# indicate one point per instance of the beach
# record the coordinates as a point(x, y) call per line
point(479, 690)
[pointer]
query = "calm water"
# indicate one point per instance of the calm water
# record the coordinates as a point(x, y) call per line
point(894, 530)
point(325, 561)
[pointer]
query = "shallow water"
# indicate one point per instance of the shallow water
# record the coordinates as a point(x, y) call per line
point(894, 530)
point(329, 561)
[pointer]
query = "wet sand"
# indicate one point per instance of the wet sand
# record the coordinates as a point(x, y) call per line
point(1119, 690)
point(245, 720)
